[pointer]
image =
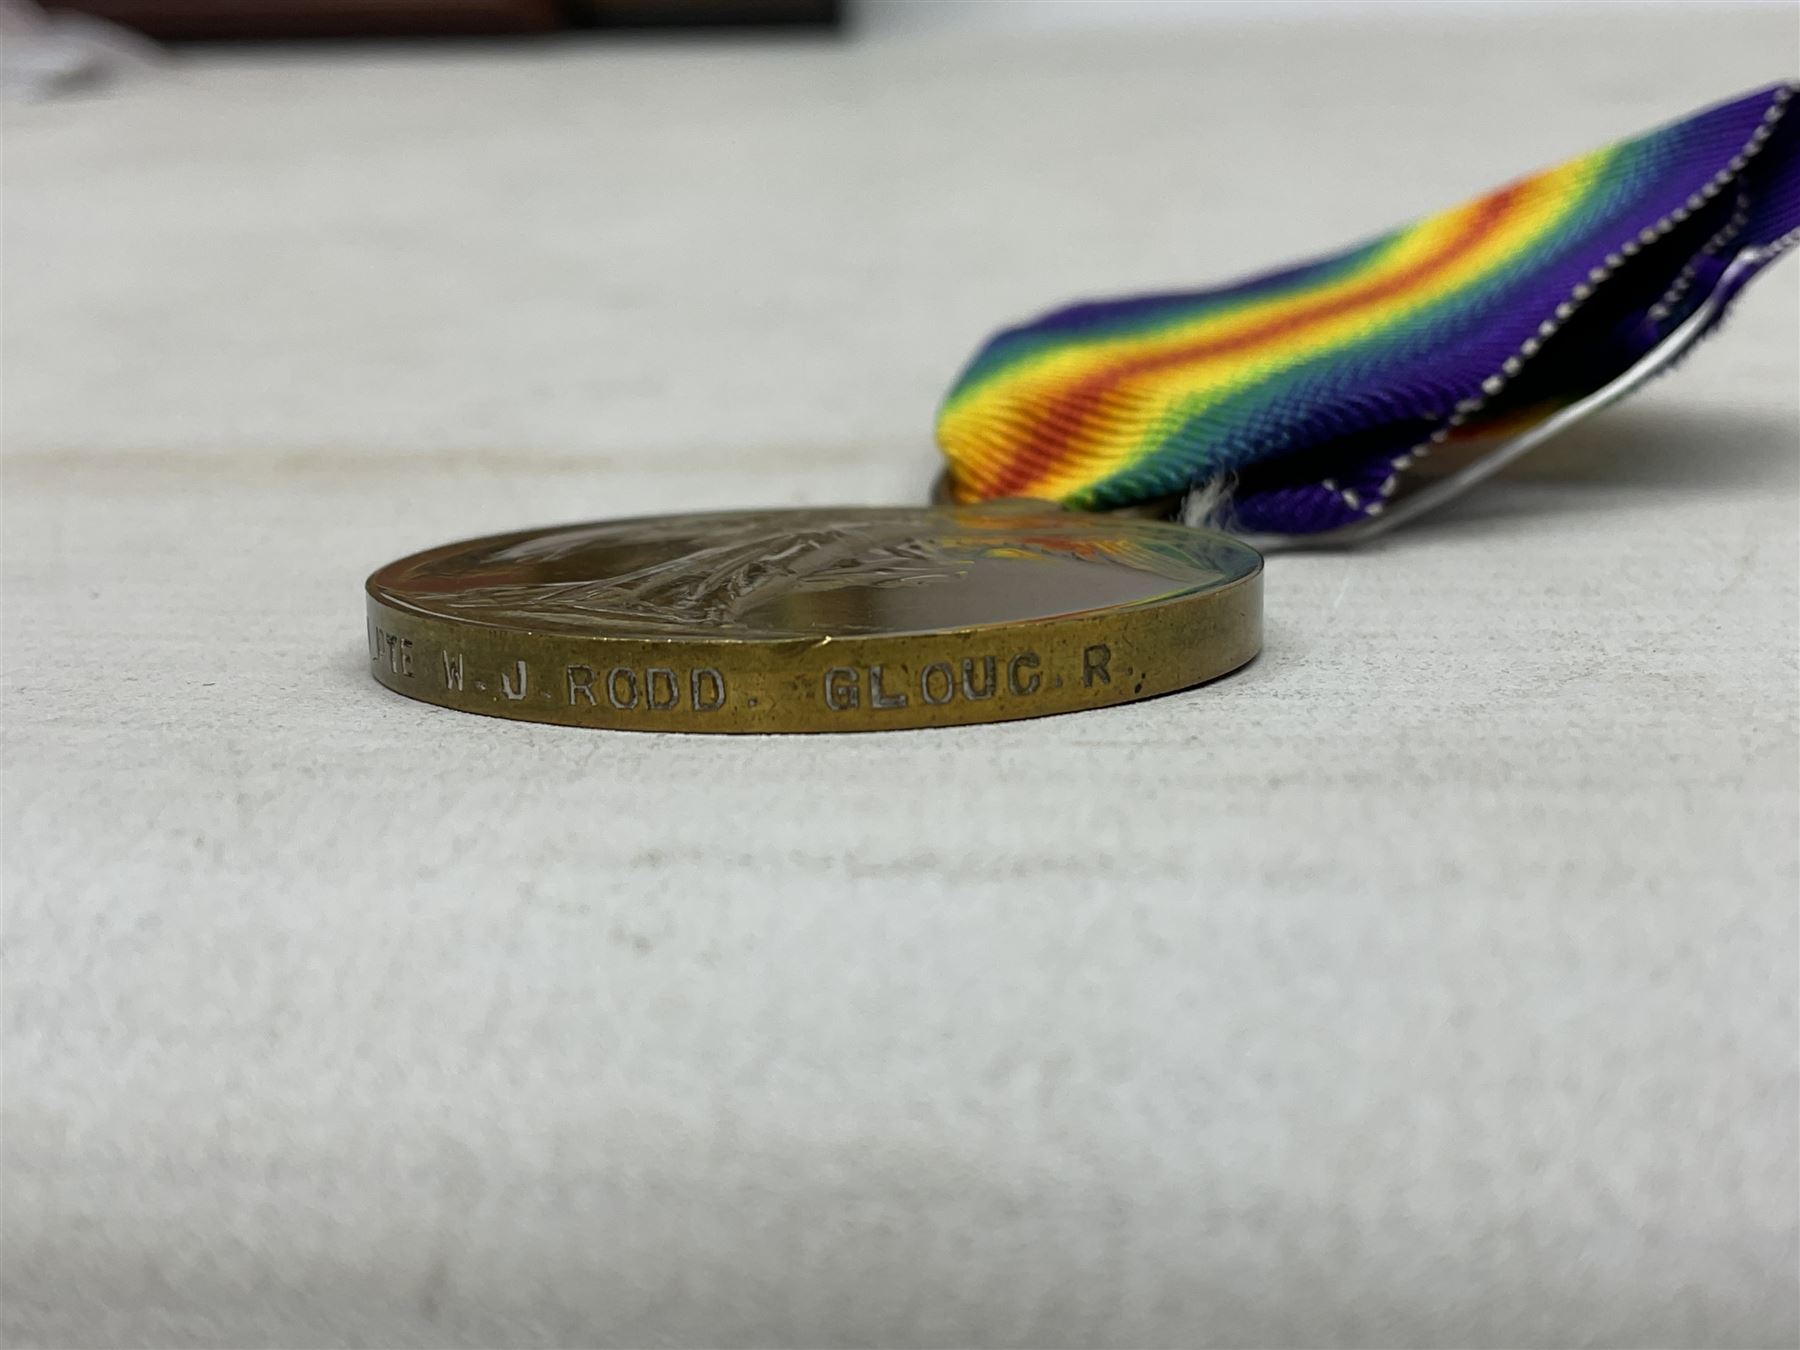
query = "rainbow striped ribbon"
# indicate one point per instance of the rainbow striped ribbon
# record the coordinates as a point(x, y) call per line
point(1301, 403)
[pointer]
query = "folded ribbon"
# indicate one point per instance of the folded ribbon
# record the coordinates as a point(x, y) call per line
point(1324, 401)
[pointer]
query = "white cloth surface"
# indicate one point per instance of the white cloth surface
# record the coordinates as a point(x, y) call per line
point(1433, 981)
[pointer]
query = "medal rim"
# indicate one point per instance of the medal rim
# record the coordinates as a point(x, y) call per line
point(1158, 645)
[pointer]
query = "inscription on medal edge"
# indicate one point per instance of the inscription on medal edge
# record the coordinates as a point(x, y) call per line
point(653, 688)
point(391, 650)
point(972, 679)
point(877, 685)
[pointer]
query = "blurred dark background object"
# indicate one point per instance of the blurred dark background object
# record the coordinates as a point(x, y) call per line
point(208, 20)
